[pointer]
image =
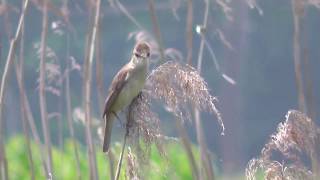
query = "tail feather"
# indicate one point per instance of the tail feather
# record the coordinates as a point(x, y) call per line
point(107, 133)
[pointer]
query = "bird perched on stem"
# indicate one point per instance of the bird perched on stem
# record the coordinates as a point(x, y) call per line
point(125, 86)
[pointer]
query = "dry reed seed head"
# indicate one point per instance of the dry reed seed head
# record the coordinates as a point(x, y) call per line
point(132, 166)
point(180, 86)
point(142, 120)
point(143, 124)
point(298, 173)
point(298, 134)
point(53, 73)
point(252, 168)
point(274, 170)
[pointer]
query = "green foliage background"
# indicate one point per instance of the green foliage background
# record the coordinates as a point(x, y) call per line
point(174, 166)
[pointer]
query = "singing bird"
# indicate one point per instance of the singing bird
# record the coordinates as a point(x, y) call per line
point(125, 86)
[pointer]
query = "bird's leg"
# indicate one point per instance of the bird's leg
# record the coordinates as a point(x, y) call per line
point(116, 115)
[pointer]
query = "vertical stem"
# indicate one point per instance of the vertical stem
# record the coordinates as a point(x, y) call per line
point(310, 103)
point(3, 169)
point(3, 160)
point(42, 94)
point(7, 23)
point(297, 8)
point(205, 158)
point(60, 119)
point(99, 71)
point(200, 136)
point(187, 145)
point(24, 122)
point(121, 157)
point(156, 27)
point(69, 116)
point(189, 32)
point(19, 71)
point(314, 164)
point(1, 153)
point(28, 115)
point(88, 79)
point(111, 164)
point(99, 77)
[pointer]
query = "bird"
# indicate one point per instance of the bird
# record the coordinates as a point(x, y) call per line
point(125, 86)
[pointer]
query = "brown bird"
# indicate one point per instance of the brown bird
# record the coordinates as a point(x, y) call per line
point(125, 86)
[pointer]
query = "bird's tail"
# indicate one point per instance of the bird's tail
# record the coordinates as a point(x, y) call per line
point(107, 133)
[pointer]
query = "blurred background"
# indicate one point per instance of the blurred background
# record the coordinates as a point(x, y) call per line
point(267, 55)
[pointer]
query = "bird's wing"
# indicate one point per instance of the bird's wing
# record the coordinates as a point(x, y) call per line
point(117, 84)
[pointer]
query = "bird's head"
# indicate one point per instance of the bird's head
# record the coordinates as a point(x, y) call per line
point(141, 50)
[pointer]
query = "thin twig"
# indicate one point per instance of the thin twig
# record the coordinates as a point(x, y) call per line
point(88, 79)
point(124, 10)
point(3, 161)
point(216, 64)
point(156, 28)
point(42, 94)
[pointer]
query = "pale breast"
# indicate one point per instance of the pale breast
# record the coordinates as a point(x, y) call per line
point(132, 88)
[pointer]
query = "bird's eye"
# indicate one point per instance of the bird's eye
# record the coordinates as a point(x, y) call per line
point(148, 54)
point(137, 55)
